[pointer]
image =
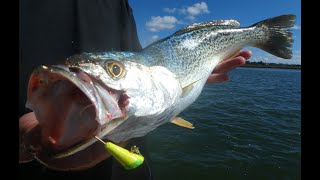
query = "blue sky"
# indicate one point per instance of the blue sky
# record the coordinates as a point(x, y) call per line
point(156, 19)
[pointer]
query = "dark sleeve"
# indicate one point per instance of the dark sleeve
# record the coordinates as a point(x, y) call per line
point(52, 30)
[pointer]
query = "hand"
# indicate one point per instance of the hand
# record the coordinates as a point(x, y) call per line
point(220, 73)
point(27, 122)
point(81, 160)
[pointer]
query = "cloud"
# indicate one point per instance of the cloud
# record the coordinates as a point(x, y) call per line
point(191, 11)
point(296, 57)
point(150, 39)
point(197, 8)
point(158, 23)
point(268, 58)
point(296, 27)
point(170, 10)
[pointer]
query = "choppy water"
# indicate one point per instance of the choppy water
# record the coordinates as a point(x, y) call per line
point(248, 128)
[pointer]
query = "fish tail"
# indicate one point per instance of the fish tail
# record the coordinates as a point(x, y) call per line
point(279, 41)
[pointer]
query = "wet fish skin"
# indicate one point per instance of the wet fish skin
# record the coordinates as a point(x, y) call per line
point(189, 51)
point(193, 52)
point(167, 76)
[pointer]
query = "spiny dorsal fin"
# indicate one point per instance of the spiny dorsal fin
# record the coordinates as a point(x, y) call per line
point(181, 122)
point(219, 23)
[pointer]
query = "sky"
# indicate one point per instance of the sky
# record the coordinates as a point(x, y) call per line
point(157, 19)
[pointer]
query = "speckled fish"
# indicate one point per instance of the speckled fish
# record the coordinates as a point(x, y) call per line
point(122, 95)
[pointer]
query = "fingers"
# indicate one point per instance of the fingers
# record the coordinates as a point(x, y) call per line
point(246, 54)
point(28, 116)
point(217, 78)
point(230, 64)
point(220, 73)
point(27, 122)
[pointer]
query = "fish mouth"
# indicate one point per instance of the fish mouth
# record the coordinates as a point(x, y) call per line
point(71, 108)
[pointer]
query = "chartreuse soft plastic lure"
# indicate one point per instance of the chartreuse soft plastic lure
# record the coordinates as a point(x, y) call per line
point(128, 159)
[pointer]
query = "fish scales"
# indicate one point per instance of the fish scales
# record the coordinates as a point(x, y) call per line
point(123, 95)
point(193, 56)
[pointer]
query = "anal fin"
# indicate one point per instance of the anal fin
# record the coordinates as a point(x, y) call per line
point(181, 122)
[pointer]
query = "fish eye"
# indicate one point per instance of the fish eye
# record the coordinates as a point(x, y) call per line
point(115, 69)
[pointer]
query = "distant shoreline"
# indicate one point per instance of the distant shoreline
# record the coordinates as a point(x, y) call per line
point(271, 65)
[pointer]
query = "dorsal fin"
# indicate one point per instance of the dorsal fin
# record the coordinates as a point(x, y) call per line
point(218, 23)
point(222, 24)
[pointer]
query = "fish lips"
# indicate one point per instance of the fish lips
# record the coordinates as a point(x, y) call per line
point(70, 106)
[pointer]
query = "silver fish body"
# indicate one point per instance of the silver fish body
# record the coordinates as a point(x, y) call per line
point(128, 94)
point(192, 53)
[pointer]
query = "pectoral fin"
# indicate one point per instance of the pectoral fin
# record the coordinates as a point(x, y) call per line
point(187, 89)
point(181, 122)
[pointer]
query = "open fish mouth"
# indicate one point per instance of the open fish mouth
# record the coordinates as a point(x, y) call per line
point(71, 107)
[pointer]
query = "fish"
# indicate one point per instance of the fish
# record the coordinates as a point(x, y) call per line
point(118, 96)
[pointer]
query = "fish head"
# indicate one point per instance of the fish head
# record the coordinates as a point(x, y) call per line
point(87, 96)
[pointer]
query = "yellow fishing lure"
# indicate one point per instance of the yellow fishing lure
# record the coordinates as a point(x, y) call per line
point(128, 159)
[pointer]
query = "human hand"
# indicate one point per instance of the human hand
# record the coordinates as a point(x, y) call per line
point(87, 158)
point(220, 73)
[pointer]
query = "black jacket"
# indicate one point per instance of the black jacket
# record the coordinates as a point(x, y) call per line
point(52, 30)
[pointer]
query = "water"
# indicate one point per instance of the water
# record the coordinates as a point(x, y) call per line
point(248, 128)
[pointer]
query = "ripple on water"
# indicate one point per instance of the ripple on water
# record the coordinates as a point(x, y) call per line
point(248, 128)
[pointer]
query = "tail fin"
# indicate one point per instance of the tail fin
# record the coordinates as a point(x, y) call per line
point(280, 40)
